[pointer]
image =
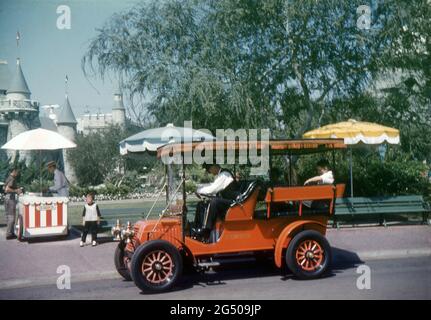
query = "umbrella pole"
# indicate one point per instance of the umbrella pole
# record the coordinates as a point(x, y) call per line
point(351, 173)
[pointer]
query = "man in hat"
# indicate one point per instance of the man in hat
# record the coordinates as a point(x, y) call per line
point(11, 191)
point(224, 189)
point(61, 185)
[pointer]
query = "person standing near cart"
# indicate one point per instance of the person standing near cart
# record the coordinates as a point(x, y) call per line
point(61, 185)
point(11, 191)
point(90, 220)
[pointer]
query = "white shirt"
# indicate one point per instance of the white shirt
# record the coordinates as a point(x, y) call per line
point(60, 184)
point(91, 212)
point(327, 178)
point(220, 183)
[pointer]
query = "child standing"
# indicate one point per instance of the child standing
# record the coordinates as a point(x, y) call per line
point(90, 220)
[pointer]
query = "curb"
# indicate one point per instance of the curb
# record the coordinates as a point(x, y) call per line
point(394, 254)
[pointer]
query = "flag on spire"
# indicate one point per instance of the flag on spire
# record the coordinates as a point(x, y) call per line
point(17, 38)
point(66, 79)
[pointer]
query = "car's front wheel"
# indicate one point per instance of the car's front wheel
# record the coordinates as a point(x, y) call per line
point(156, 266)
point(122, 262)
point(308, 255)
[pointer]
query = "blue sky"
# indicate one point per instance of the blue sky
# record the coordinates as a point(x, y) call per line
point(48, 53)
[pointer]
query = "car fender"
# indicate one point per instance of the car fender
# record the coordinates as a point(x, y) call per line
point(289, 232)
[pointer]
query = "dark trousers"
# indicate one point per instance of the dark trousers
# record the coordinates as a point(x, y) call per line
point(217, 209)
point(10, 212)
point(201, 211)
point(89, 226)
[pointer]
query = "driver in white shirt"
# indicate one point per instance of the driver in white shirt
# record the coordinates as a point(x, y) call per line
point(224, 189)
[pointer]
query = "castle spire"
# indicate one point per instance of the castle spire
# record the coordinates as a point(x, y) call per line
point(66, 115)
point(19, 84)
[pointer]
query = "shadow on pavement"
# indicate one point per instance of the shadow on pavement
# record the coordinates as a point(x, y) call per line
point(73, 234)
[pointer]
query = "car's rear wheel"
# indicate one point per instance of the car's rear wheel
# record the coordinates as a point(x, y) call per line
point(156, 266)
point(122, 262)
point(308, 255)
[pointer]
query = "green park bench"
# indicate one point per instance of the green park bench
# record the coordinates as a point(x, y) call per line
point(360, 208)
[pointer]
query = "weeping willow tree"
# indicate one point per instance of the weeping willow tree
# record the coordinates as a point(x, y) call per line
point(236, 64)
point(287, 65)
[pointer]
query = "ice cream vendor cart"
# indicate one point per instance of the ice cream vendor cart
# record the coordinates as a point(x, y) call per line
point(40, 216)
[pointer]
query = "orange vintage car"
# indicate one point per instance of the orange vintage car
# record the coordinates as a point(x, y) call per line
point(153, 253)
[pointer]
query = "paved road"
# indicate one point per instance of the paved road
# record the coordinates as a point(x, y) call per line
point(408, 278)
point(399, 257)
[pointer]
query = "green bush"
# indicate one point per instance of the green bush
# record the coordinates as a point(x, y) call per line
point(396, 175)
point(190, 186)
point(31, 177)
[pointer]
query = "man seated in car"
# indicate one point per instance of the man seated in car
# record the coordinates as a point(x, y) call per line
point(224, 189)
point(324, 176)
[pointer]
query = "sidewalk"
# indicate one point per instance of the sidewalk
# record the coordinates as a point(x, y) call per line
point(31, 264)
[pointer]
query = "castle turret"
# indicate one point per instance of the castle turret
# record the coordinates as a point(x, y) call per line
point(118, 110)
point(18, 88)
point(66, 126)
point(18, 110)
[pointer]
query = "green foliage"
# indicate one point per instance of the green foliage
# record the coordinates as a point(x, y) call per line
point(393, 177)
point(372, 176)
point(97, 159)
point(31, 177)
point(109, 190)
point(284, 65)
point(203, 59)
point(190, 186)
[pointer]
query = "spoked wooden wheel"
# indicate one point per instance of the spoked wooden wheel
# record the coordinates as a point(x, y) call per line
point(156, 266)
point(308, 255)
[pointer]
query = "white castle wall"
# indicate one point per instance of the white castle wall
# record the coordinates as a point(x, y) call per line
point(119, 117)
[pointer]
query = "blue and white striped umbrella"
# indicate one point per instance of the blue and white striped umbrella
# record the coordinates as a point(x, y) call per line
point(151, 139)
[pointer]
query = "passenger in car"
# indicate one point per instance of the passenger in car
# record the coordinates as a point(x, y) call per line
point(324, 176)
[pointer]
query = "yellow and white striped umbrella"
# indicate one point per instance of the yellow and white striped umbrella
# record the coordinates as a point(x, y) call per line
point(355, 132)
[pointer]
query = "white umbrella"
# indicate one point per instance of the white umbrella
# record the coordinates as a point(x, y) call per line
point(39, 139)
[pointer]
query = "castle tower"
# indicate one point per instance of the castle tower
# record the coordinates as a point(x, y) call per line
point(66, 126)
point(19, 110)
point(118, 110)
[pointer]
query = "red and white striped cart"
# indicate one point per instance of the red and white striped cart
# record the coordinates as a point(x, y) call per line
point(41, 216)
